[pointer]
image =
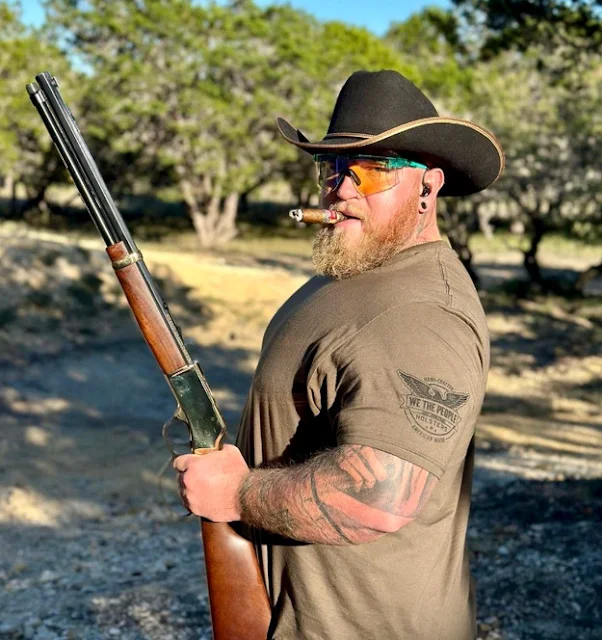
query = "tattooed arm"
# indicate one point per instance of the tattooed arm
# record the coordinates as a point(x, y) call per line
point(348, 495)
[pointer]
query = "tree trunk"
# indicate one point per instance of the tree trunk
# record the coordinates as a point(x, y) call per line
point(214, 221)
point(50, 171)
point(530, 255)
point(244, 197)
point(244, 202)
point(35, 200)
point(12, 188)
point(226, 225)
point(306, 195)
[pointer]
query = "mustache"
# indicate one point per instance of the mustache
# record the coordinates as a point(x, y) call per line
point(348, 209)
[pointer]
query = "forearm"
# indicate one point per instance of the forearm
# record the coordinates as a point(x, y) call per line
point(349, 495)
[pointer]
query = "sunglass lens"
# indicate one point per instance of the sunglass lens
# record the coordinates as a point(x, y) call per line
point(329, 175)
point(372, 176)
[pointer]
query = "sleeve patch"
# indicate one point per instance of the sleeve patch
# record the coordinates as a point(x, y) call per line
point(432, 407)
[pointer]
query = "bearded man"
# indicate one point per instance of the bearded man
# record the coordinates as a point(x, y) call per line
point(357, 436)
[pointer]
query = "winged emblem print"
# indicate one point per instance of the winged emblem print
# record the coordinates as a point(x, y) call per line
point(434, 392)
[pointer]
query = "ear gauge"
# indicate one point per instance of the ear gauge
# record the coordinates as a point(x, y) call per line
point(425, 191)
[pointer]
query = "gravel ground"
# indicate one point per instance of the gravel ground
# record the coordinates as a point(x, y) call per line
point(537, 557)
point(126, 577)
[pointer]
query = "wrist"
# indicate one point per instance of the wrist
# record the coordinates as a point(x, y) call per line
point(242, 494)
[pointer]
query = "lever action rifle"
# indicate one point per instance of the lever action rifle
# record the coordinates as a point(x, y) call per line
point(239, 605)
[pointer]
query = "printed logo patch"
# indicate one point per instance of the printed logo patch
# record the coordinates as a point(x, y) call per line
point(432, 407)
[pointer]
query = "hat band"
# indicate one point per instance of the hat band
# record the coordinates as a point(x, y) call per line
point(348, 135)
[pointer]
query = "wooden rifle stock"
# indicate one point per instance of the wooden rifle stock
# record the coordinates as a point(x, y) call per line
point(240, 609)
point(239, 604)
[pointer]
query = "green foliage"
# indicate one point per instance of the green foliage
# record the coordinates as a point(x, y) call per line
point(550, 134)
point(570, 31)
point(26, 152)
point(432, 40)
point(183, 95)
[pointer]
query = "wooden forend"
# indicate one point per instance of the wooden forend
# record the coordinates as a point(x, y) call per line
point(150, 320)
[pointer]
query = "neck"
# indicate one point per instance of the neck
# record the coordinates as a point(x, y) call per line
point(426, 230)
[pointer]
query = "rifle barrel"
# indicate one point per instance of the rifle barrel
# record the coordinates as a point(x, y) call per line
point(86, 190)
point(71, 132)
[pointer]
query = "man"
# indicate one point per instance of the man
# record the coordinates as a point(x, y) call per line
point(360, 420)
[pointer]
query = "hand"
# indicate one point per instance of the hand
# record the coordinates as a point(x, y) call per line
point(209, 483)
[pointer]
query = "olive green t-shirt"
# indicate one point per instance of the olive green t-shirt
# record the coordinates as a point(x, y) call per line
point(395, 358)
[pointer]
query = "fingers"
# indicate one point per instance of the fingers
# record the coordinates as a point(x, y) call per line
point(208, 484)
point(180, 463)
point(182, 492)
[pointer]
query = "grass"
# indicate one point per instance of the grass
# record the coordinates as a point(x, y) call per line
point(552, 244)
point(263, 247)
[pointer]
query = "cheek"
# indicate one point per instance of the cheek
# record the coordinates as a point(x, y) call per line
point(382, 208)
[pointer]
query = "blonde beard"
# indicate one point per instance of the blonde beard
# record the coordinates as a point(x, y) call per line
point(332, 257)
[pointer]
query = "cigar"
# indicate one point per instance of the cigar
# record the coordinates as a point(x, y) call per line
point(320, 216)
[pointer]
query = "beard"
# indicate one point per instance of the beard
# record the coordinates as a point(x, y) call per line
point(332, 255)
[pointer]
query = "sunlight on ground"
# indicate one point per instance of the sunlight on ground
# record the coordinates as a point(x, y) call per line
point(23, 505)
point(242, 298)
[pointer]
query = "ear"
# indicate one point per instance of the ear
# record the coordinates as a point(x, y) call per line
point(433, 180)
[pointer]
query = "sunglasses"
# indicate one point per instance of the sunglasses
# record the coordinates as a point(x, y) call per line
point(370, 174)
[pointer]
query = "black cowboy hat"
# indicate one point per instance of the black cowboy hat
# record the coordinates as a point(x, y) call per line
point(382, 112)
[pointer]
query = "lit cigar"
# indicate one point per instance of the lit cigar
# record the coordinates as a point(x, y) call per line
point(320, 216)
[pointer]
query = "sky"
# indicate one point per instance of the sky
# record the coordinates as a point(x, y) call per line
point(375, 15)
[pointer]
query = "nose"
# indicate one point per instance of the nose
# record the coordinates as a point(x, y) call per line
point(346, 189)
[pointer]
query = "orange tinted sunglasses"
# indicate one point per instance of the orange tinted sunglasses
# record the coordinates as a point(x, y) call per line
point(370, 174)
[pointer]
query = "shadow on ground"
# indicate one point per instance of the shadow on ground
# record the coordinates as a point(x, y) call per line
point(89, 425)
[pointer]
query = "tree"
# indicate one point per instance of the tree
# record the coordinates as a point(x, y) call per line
point(566, 40)
point(434, 39)
point(27, 156)
point(550, 134)
point(549, 130)
point(570, 28)
point(175, 90)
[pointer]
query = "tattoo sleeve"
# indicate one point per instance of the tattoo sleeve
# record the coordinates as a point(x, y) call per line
point(348, 495)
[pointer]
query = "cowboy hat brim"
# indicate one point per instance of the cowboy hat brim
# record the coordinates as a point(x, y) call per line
point(470, 156)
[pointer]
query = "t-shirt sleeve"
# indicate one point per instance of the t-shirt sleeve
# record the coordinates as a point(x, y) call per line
point(411, 383)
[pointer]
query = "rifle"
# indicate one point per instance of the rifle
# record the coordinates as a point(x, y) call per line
point(238, 601)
